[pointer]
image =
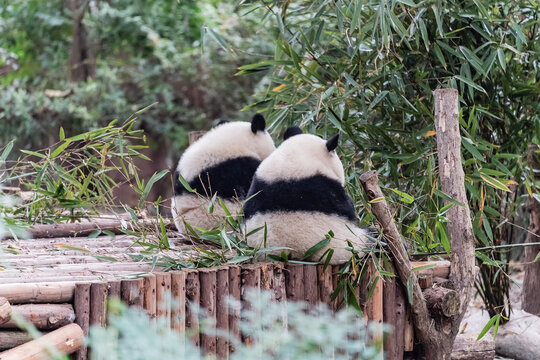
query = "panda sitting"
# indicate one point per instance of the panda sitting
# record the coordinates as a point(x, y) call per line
point(221, 162)
point(298, 192)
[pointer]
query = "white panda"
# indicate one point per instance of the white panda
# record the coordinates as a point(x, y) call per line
point(222, 161)
point(298, 192)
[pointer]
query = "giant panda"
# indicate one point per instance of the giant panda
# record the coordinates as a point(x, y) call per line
point(298, 192)
point(222, 161)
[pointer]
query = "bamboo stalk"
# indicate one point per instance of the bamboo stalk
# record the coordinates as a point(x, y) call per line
point(65, 340)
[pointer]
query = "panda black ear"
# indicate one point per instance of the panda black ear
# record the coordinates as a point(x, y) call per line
point(221, 122)
point(258, 123)
point(332, 144)
point(292, 131)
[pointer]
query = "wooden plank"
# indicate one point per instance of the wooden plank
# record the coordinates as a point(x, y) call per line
point(81, 305)
point(178, 308)
point(311, 285)
point(98, 304)
point(131, 292)
point(149, 297)
point(208, 280)
point(294, 279)
point(163, 296)
point(235, 289)
point(222, 311)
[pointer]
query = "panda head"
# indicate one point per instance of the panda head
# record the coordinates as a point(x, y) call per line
point(227, 141)
point(301, 156)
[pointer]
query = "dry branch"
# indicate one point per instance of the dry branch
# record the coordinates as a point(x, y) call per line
point(65, 340)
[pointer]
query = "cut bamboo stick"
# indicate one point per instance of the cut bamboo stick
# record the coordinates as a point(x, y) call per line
point(5, 311)
point(149, 298)
point(163, 296)
point(208, 280)
point(98, 304)
point(311, 285)
point(235, 289)
point(81, 304)
point(65, 340)
point(222, 311)
point(178, 309)
point(131, 292)
point(43, 316)
point(294, 277)
point(38, 292)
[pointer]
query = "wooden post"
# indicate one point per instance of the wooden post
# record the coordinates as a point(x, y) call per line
point(178, 310)
point(43, 316)
point(339, 301)
point(163, 296)
point(208, 279)
point(267, 279)
point(325, 284)
point(81, 304)
point(235, 289)
point(149, 298)
point(374, 305)
point(131, 292)
point(98, 304)
point(294, 278)
point(193, 297)
point(115, 289)
point(311, 285)
point(5, 310)
point(251, 282)
point(222, 311)
point(65, 340)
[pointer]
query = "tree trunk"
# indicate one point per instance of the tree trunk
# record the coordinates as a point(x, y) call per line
point(531, 300)
point(81, 59)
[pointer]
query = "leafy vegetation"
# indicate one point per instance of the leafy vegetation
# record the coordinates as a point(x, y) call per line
point(132, 335)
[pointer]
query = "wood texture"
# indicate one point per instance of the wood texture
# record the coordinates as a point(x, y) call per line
point(43, 316)
point(98, 303)
point(222, 311)
point(325, 284)
point(442, 301)
point(5, 311)
point(81, 305)
point(193, 297)
point(208, 281)
point(235, 290)
point(311, 285)
point(163, 296)
point(131, 292)
point(149, 298)
point(178, 308)
point(294, 278)
point(10, 338)
point(393, 347)
point(65, 340)
point(38, 292)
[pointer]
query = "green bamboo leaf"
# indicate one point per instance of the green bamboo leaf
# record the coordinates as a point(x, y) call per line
point(470, 83)
point(488, 326)
point(406, 198)
point(318, 246)
point(34, 153)
point(493, 182)
point(469, 145)
point(537, 257)
point(151, 182)
point(60, 148)
point(410, 289)
point(62, 135)
point(7, 151)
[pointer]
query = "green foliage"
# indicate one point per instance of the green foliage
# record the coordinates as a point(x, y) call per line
point(368, 69)
point(311, 334)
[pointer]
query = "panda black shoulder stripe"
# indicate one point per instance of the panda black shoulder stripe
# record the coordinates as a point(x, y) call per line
point(229, 179)
point(313, 194)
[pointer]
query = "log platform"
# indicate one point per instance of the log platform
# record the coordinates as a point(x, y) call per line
point(61, 285)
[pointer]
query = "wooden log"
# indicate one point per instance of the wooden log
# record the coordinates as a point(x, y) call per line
point(374, 305)
point(208, 282)
point(401, 313)
point(408, 328)
point(195, 135)
point(10, 339)
point(115, 289)
point(466, 347)
point(250, 292)
point(5, 311)
point(50, 278)
point(294, 278)
point(43, 316)
point(98, 303)
point(193, 297)
point(85, 243)
point(425, 281)
point(131, 292)
point(149, 297)
point(60, 292)
point(81, 304)
point(267, 279)
point(339, 301)
point(392, 348)
point(222, 312)
point(235, 289)
point(65, 340)
point(439, 269)
point(325, 284)
point(163, 296)
point(280, 283)
point(178, 309)
point(76, 269)
point(442, 301)
point(311, 285)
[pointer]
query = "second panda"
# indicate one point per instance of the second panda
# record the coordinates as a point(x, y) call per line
point(221, 162)
point(298, 192)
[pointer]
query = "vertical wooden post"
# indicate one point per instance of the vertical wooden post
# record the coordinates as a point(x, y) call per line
point(98, 304)
point(374, 305)
point(208, 279)
point(131, 292)
point(114, 289)
point(163, 296)
point(149, 298)
point(193, 297)
point(311, 285)
point(222, 312)
point(325, 284)
point(393, 345)
point(267, 280)
point(251, 282)
point(81, 305)
point(235, 289)
point(178, 310)
point(339, 302)
point(294, 278)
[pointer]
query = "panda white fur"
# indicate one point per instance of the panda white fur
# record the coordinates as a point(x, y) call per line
point(222, 161)
point(300, 195)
